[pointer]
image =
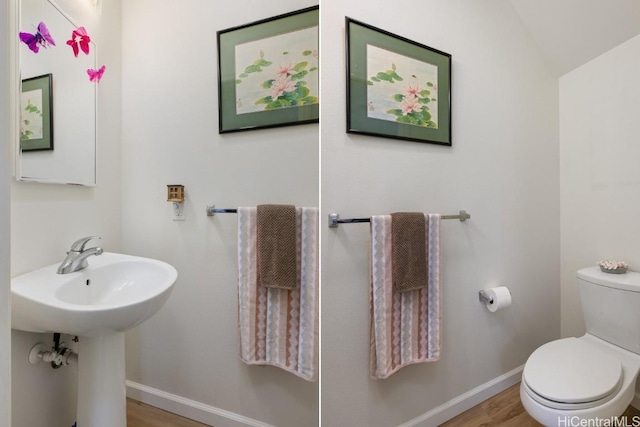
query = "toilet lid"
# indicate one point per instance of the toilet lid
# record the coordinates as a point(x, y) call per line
point(572, 371)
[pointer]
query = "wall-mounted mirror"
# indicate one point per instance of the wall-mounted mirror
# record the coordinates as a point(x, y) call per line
point(58, 102)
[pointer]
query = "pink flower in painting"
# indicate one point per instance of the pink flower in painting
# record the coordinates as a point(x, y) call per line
point(413, 90)
point(286, 70)
point(281, 85)
point(410, 104)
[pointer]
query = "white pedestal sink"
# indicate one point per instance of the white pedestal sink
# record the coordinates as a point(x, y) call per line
point(98, 304)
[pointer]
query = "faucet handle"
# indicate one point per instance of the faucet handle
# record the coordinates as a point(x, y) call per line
point(78, 245)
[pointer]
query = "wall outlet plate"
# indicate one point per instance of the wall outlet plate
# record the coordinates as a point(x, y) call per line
point(178, 211)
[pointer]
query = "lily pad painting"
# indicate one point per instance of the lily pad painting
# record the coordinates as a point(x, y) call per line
point(401, 89)
point(31, 121)
point(277, 72)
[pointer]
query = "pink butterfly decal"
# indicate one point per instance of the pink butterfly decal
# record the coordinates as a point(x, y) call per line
point(79, 40)
point(42, 37)
point(96, 75)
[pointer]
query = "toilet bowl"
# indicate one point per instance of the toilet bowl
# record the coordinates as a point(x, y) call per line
point(591, 379)
point(575, 379)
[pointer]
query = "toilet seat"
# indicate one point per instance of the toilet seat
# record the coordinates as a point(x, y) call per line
point(572, 374)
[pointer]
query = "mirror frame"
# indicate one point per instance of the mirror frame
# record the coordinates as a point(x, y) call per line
point(14, 84)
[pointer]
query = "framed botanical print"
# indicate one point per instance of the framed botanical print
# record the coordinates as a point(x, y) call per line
point(268, 72)
point(396, 88)
point(36, 113)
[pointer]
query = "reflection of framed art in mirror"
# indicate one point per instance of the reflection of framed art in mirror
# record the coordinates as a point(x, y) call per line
point(36, 114)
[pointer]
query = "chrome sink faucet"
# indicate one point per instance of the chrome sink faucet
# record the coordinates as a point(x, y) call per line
point(77, 257)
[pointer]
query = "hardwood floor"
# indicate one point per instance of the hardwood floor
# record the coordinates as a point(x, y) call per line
point(142, 415)
point(505, 410)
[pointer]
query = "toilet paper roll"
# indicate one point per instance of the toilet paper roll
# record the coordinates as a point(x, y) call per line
point(500, 298)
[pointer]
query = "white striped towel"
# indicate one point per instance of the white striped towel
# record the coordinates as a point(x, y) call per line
point(279, 327)
point(405, 326)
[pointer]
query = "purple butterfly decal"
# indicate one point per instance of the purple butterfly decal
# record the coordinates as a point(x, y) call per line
point(96, 75)
point(42, 37)
point(79, 40)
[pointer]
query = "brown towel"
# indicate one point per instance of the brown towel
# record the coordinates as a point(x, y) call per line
point(277, 263)
point(409, 251)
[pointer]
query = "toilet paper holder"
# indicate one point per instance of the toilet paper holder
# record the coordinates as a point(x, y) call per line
point(484, 297)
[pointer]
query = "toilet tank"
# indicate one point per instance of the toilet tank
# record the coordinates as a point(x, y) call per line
point(611, 306)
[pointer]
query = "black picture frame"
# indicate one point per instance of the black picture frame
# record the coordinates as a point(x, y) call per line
point(281, 83)
point(36, 114)
point(396, 87)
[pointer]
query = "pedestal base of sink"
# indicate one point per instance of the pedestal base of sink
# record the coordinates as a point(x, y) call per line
point(116, 292)
point(101, 382)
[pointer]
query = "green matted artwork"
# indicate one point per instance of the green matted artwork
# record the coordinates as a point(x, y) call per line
point(396, 88)
point(36, 113)
point(268, 72)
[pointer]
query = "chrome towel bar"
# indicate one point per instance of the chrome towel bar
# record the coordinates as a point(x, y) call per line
point(212, 210)
point(335, 220)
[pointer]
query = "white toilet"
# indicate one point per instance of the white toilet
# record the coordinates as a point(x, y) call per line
point(594, 376)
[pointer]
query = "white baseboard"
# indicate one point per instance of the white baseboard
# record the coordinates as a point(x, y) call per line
point(188, 408)
point(213, 416)
point(468, 400)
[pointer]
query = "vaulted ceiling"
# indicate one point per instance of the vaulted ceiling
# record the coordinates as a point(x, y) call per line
point(570, 33)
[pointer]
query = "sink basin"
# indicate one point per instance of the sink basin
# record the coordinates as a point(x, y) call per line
point(98, 304)
point(115, 293)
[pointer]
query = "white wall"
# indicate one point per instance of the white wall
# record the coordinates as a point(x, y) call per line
point(502, 168)
point(6, 88)
point(46, 219)
point(170, 136)
point(599, 172)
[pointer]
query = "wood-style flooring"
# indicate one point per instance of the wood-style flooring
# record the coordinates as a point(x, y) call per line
point(142, 415)
point(505, 410)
